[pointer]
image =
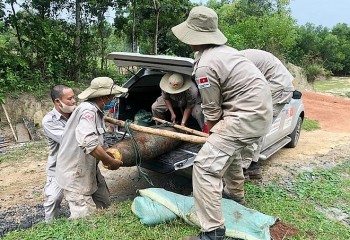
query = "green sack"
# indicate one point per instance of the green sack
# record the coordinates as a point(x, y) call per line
point(157, 205)
point(143, 118)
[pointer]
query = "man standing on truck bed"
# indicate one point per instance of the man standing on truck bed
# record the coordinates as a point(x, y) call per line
point(237, 104)
point(178, 91)
point(280, 82)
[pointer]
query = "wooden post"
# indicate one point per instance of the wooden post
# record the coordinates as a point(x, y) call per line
point(183, 128)
point(8, 119)
point(160, 132)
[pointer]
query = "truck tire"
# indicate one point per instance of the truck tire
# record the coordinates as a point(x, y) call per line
point(295, 134)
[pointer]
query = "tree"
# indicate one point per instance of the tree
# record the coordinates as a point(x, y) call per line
point(77, 37)
point(2, 10)
point(323, 47)
point(216, 5)
point(342, 31)
point(258, 24)
point(152, 24)
point(13, 19)
point(98, 9)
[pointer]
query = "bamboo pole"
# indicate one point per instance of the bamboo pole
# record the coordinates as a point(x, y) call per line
point(160, 132)
point(8, 119)
point(183, 128)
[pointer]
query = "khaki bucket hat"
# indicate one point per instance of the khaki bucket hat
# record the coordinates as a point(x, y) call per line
point(175, 83)
point(101, 86)
point(201, 27)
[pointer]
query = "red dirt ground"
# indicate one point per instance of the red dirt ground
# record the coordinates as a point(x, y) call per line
point(333, 113)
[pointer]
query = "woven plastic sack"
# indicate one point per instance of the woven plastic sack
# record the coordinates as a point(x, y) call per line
point(240, 222)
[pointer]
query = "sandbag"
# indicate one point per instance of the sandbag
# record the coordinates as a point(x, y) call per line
point(155, 205)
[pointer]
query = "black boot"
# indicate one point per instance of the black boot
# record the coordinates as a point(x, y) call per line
point(254, 171)
point(240, 200)
point(217, 234)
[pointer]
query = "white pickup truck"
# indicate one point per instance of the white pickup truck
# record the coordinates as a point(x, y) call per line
point(144, 89)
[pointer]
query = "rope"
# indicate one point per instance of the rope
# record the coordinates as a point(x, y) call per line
point(112, 138)
point(166, 124)
point(136, 148)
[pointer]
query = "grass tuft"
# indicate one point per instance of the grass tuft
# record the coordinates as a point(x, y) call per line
point(36, 149)
point(310, 125)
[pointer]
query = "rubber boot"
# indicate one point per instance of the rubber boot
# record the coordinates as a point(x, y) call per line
point(240, 200)
point(254, 171)
point(217, 234)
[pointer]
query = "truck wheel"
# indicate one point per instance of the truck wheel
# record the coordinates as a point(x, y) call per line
point(295, 134)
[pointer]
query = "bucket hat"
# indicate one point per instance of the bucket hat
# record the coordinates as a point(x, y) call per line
point(175, 83)
point(201, 27)
point(101, 86)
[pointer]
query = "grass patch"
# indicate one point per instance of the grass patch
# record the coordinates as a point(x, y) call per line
point(339, 86)
point(34, 150)
point(298, 205)
point(310, 125)
point(118, 222)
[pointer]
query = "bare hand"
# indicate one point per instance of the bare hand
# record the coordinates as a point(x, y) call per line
point(114, 165)
point(173, 118)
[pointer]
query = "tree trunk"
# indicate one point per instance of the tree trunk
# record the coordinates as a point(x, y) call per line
point(156, 32)
point(134, 44)
point(157, 13)
point(76, 70)
point(17, 29)
point(100, 19)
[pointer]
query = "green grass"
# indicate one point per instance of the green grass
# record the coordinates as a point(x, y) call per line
point(310, 125)
point(339, 86)
point(32, 150)
point(118, 222)
point(298, 205)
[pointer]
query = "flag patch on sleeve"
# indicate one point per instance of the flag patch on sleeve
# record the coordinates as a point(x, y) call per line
point(88, 117)
point(202, 82)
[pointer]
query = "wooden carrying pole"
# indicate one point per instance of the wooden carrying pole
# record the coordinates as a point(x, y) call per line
point(183, 128)
point(8, 119)
point(160, 132)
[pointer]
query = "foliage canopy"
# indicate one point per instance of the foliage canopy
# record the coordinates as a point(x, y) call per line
point(44, 42)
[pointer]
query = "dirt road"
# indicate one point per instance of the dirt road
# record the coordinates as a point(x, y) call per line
point(323, 148)
point(21, 182)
